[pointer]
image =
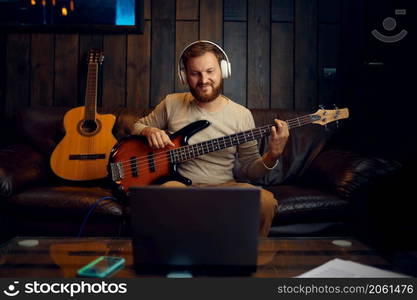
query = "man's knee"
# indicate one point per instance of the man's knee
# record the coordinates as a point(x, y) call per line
point(173, 183)
point(268, 202)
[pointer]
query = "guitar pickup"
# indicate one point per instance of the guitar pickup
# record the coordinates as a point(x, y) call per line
point(151, 162)
point(117, 172)
point(134, 166)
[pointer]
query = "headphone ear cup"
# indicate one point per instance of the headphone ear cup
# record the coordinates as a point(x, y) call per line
point(225, 68)
point(183, 77)
point(229, 69)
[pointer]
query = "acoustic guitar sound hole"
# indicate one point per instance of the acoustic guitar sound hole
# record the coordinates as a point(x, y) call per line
point(89, 127)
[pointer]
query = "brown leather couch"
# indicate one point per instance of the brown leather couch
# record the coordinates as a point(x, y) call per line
point(322, 189)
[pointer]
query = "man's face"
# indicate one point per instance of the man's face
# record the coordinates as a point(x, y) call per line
point(204, 77)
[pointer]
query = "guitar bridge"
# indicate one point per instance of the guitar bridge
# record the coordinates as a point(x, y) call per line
point(117, 172)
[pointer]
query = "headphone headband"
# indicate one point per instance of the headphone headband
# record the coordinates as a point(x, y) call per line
point(224, 64)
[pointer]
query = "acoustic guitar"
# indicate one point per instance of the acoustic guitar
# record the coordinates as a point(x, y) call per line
point(83, 153)
point(133, 163)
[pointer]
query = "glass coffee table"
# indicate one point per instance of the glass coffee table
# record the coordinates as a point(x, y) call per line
point(57, 257)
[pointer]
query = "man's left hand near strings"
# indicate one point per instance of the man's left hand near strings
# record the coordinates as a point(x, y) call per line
point(277, 141)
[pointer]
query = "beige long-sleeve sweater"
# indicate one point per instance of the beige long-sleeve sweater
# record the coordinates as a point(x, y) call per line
point(178, 110)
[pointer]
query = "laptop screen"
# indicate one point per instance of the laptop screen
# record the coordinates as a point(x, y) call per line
point(194, 228)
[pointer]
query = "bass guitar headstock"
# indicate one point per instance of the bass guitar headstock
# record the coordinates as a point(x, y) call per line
point(325, 116)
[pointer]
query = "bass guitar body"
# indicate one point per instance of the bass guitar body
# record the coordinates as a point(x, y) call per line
point(134, 163)
point(83, 154)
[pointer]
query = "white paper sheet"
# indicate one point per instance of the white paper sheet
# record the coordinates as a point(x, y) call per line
point(339, 268)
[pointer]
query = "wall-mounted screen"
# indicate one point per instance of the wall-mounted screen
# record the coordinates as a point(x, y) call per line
point(72, 15)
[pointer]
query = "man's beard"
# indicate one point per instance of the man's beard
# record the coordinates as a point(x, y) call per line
point(201, 97)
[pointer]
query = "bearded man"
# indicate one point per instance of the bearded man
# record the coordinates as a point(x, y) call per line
point(204, 65)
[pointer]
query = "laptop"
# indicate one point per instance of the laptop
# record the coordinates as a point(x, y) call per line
point(202, 230)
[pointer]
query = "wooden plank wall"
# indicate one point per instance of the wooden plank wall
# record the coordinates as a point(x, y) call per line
point(2, 74)
point(279, 50)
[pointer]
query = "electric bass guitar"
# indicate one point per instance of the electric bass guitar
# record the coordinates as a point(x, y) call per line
point(133, 163)
point(83, 153)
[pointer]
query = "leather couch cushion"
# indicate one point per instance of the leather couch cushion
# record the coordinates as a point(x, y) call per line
point(358, 171)
point(20, 164)
point(303, 145)
point(43, 128)
point(303, 205)
point(64, 202)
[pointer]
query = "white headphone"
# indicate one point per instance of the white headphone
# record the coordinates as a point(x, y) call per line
point(225, 65)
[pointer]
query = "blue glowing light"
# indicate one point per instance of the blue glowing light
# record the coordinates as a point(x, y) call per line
point(125, 12)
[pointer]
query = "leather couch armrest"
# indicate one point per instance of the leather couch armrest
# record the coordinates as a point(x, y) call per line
point(20, 166)
point(348, 174)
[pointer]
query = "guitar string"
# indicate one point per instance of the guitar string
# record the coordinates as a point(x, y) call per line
point(139, 160)
point(166, 158)
point(91, 88)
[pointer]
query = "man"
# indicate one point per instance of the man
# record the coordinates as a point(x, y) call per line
point(204, 65)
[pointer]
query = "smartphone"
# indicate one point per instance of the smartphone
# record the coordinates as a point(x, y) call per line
point(102, 267)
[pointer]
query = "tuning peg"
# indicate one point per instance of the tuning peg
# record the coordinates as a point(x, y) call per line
point(323, 109)
point(337, 113)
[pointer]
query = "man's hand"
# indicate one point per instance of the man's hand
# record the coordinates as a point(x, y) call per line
point(277, 142)
point(156, 137)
